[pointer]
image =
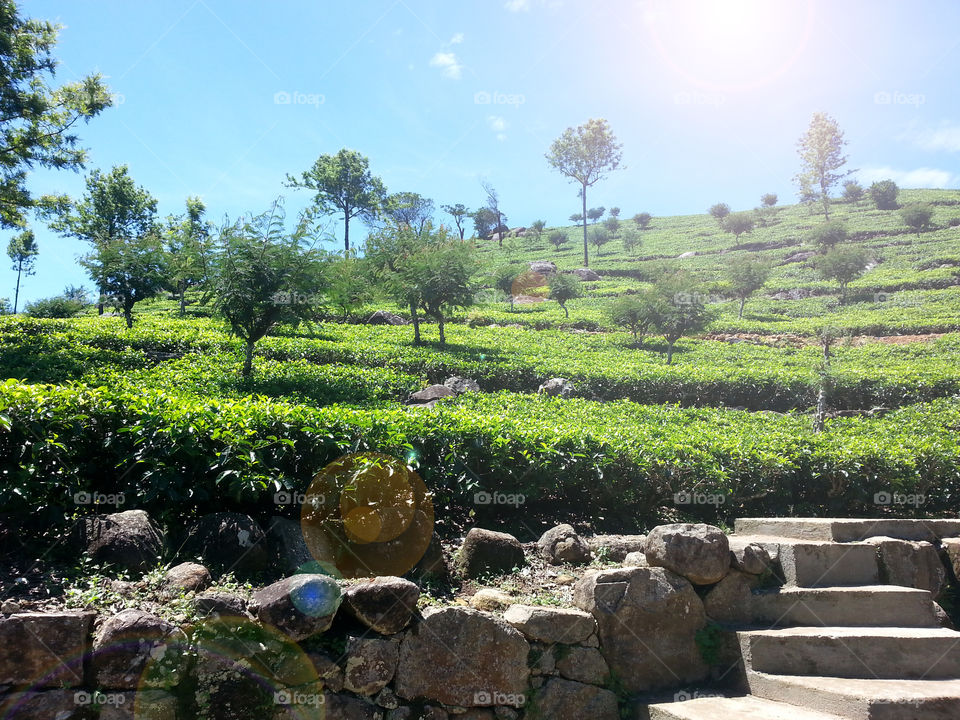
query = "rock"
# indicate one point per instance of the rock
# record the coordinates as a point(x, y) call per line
point(42, 705)
point(40, 650)
point(383, 604)
point(942, 618)
point(226, 689)
point(550, 624)
point(432, 712)
point(561, 544)
point(9, 607)
point(748, 557)
point(543, 267)
point(490, 599)
point(133, 641)
point(401, 713)
point(951, 548)
point(698, 552)
point(129, 539)
point(542, 661)
point(476, 714)
point(583, 664)
point(347, 707)
point(382, 317)
point(432, 567)
point(485, 552)
point(801, 256)
point(461, 385)
point(502, 712)
point(585, 274)
point(220, 604)
point(910, 563)
point(300, 606)
point(434, 666)
point(431, 393)
point(556, 387)
point(327, 670)
point(561, 699)
point(186, 577)
point(794, 294)
point(689, 254)
point(370, 664)
point(637, 558)
point(288, 550)
point(730, 600)
point(143, 705)
point(228, 542)
point(386, 698)
point(615, 548)
point(647, 620)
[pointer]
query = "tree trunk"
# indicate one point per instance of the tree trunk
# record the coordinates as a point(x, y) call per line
point(443, 338)
point(416, 323)
point(586, 251)
point(248, 359)
point(16, 295)
point(669, 352)
point(743, 301)
point(183, 299)
point(820, 417)
point(346, 230)
point(567, 312)
point(128, 314)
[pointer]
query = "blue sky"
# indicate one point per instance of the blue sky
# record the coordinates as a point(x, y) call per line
point(221, 98)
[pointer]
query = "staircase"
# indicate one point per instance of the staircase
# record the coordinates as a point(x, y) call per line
point(833, 642)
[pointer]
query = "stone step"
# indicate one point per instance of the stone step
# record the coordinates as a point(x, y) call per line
point(853, 652)
point(733, 708)
point(865, 606)
point(862, 698)
point(848, 530)
point(817, 563)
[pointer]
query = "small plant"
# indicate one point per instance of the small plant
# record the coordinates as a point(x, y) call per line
point(709, 642)
point(884, 194)
point(564, 288)
point(55, 307)
point(918, 217)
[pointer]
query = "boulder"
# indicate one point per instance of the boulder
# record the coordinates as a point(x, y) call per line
point(647, 620)
point(300, 606)
point(543, 267)
point(490, 599)
point(561, 544)
point(615, 548)
point(383, 604)
point(730, 601)
point(586, 274)
point(583, 664)
point(796, 257)
point(186, 577)
point(556, 387)
point(42, 650)
point(951, 548)
point(430, 394)
point(943, 620)
point(42, 705)
point(143, 705)
point(218, 604)
point(129, 539)
point(288, 550)
point(347, 707)
point(688, 254)
point(910, 563)
point(327, 670)
point(459, 656)
point(433, 565)
point(698, 552)
point(637, 558)
point(561, 699)
point(228, 542)
point(551, 624)
point(132, 642)
point(383, 317)
point(370, 664)
point(461, 385)
point(485, 552)
point(748, 557)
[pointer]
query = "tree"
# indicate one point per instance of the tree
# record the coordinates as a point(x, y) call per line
point(22, 251)
point(637, 313)
point(505, 279)
point(409, 208)
point(746, 276)
point(679, 310)
point(343, 183)
point(827, 235)
point(630, 239)
point(187, 239)
point(347, 285)
point(485, 223)
point(614, 212)
point(564, 288)
point(612, 224)
point(493, 205)
point(599, 237)
point(460, 213)
point(918, 217)
point(842, 264)
point(768, 200)
point(441, 275)
point(884, 194)
point(643, 220)
point(262, 275)
point(738, 223)
point(596, 213)
point(37, 122)
point(558, 238)
point(112, 210)
point(852, 191)
point(821, 155)
point(537, 227)
point(585, 155)
point(576, 218)
point(128, 270)
point(719, 212)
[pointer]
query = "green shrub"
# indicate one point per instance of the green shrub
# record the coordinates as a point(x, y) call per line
point(54, 307)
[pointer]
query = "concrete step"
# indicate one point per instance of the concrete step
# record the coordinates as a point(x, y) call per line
point(863, 699)
point(734, 708)
point(859, 606)
point(853, 652)
point(818, 563)
point(848, 530)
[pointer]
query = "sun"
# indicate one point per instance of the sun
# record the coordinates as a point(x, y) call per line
point(723, 45)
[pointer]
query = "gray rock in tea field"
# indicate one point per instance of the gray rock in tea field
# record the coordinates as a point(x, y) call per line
point(129, 539)
point(556, 387)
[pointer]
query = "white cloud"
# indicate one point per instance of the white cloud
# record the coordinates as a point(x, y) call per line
point(946, 137)
point(498, 125)
point(517, 5)
point(448, 63)
point(918, 178)
point(456, 39)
